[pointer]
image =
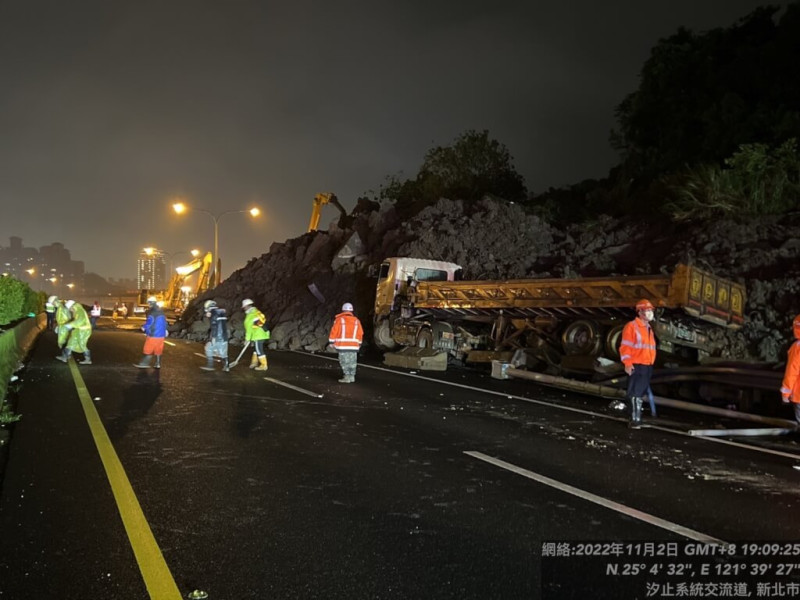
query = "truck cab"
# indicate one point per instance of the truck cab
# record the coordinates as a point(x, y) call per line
point(397, 274)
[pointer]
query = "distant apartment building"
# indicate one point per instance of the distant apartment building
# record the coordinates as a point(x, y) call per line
point(151, 270)
point(50, 268)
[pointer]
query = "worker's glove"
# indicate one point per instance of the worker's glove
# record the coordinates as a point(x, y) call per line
point(329, 348)
point(68, 326)
point(786, 399)
point(629, 369)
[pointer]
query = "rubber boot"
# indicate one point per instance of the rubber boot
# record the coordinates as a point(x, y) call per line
point(209, 365)
point(254, 361)
point(262, 363)
point(344, 379)
point(64, 357)
point(87, 357)
point(158, 362)
point(144, 363)
point(227, 367)
point(636, 413)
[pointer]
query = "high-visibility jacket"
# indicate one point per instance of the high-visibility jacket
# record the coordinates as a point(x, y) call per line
point(96, 311)
point(254, 321)
point(49, 307)
point(790, 388)
point(638, 346)
point(347, 332)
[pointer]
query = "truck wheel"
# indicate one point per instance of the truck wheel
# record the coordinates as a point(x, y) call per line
point(383, 336)
point(425, 338)
point(613, 338)
point(582, 338)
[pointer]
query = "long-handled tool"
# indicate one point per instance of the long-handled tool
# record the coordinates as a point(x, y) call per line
point(238, 358)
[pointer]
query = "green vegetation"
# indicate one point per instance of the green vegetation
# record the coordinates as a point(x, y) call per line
point(711, 130)
point(18, 300)
point(473, 166)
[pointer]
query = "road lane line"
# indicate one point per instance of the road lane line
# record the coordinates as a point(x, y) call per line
point(294, 387)
point(646, 425)
point(616, 506)
point(155, 572)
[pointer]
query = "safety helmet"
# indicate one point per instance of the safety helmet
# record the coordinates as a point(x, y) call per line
point(52, 299)
point(208, 304)
point(69, 303)
point(796, 326)
point(347, 307)
point(644, 304)
point(152, 300)
point(246, 302)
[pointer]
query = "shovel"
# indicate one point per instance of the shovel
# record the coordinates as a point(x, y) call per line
point(238, 358)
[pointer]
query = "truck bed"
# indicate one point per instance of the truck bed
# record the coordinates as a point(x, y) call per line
point(692, 290)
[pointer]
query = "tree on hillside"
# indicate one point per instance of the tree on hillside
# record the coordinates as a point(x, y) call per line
point(702, 96)
point(473, 166)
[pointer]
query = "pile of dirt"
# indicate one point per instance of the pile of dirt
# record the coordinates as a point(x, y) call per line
point(300, 284)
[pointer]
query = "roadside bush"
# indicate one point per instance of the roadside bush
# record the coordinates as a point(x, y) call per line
point(17, 299)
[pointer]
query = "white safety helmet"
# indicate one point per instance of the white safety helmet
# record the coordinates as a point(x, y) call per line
point(347, 307)
point(209, 304)
point(246, 302)
point(69, 303)
point(52, 299)
point(152, 300)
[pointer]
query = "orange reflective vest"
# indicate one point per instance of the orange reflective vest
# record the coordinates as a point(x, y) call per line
point(790, 388)
point(638, 346)
point(347, 332)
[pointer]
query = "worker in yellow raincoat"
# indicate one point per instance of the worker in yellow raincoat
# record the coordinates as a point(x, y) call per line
point(79, 328)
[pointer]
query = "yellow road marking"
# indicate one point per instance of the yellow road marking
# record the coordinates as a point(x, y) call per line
point(155, 572)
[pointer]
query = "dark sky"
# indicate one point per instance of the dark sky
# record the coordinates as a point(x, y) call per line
point(109, 109)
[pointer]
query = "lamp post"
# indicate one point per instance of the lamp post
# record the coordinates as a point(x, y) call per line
point(180, 208)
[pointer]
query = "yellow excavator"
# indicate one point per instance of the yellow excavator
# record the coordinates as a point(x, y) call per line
point(321, 200)
point(189, 281)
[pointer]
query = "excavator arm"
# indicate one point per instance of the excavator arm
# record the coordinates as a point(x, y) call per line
point(321, 200)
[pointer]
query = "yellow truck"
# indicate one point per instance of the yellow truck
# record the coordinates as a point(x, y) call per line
point(564, 323)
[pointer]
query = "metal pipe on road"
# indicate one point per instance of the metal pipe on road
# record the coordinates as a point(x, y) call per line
point(605, 391)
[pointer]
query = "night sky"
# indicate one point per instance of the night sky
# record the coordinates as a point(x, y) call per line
point(109, 110)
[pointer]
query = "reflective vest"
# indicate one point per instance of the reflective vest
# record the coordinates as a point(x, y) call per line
point(347, 332)
point(253, 325)
point(638, 346)
point(96, 310)
point(790, 388)
point(48, 307)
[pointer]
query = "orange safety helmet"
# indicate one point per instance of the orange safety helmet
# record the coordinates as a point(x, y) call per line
point(644, 304)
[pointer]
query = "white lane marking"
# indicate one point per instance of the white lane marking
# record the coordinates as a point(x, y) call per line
point(647, 425)
point(294, 387)
point(610, 504)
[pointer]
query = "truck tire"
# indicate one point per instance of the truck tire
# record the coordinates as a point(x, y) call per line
point(613, 338)
point(582, 338)
point(425, 338)
point(383, 336)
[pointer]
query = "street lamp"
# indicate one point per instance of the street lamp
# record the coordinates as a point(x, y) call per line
point(180, 208)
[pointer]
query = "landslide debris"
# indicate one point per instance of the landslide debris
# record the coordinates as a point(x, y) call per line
point(300, 284)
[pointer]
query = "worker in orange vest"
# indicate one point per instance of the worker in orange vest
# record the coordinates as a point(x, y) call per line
point(346, 336)
point(637, 351)
point(790, 388)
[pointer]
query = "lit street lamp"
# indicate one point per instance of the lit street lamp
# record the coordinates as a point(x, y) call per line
point(180, 208)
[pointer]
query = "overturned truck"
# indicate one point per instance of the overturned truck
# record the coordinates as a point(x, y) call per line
point(564, 324)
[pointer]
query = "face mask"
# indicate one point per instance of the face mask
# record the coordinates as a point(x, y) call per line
point(648, 315)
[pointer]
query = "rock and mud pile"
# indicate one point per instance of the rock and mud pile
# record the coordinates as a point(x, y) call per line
point(301, 283)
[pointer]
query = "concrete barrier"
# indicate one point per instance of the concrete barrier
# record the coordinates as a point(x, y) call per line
point(14, 346)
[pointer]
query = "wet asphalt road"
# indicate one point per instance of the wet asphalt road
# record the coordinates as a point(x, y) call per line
point(255, 490)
